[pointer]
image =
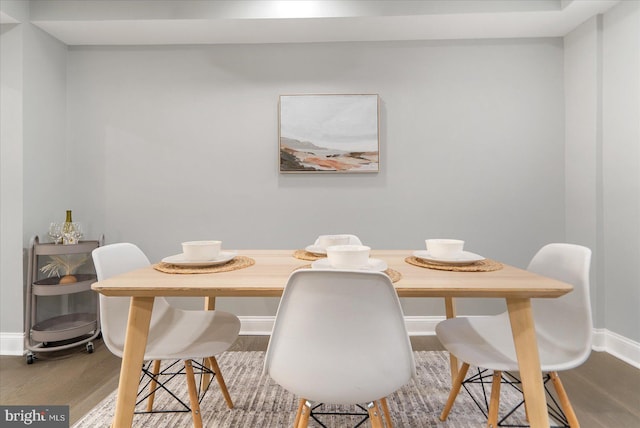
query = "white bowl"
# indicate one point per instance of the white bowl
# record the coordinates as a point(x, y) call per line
point(348, 256)
point(325, 241)
point(444, 248)
point(195, 251)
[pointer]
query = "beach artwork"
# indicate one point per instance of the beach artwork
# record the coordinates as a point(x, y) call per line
point(329, 133)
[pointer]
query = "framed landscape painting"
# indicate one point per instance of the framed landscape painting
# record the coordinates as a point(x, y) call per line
point(329, 133)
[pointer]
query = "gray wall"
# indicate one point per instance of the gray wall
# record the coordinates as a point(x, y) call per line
point(11, 177)
point(621, 168)
point(33, 157)
point(602, 85)
point(177, 143)
point(582, 145)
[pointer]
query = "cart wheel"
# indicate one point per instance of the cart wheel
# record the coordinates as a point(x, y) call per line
point(90, 347)
point(30, 358)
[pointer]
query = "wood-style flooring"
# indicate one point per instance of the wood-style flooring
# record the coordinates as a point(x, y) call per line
point(605, 391)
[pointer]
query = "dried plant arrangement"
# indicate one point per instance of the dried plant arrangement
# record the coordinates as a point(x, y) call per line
point(68, 264)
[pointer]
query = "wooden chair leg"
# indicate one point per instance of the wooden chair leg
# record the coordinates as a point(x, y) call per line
point(455, 389)
point(567, 408)
point(153, 385)
point(387, 414)
point(374, 415)
point(193, 394)
point(205, 379)
point(304, 411)
point(213, 363)
point(299, 412)
point(494, 402)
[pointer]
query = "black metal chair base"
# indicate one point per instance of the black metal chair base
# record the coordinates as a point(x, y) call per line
point(164, 377)
point(484, 379)
point(364, 414)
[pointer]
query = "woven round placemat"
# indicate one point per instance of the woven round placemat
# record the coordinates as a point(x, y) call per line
point(306, 255)
point(486, 265)
point(394, 275)
point(238, 262)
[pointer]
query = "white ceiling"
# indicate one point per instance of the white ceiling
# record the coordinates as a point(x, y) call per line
point(150, 22)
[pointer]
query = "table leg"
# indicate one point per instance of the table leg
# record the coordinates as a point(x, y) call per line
point(209, 305)
point(450, 309)
point(132, 359)
point(524, 338)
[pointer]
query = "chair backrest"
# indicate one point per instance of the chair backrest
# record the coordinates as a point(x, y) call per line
point(565, 321)
point(111, 260)
point(353, 240)
point(339, 337)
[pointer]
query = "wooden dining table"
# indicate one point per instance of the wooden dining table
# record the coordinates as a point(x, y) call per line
point(268, 276)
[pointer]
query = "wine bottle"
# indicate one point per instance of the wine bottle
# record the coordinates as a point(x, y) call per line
point(69, 236)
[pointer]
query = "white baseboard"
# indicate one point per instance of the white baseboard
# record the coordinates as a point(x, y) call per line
point(619, 346)
point(604, 340)
point(259, 326)
point(11, 343)
point(416, 325)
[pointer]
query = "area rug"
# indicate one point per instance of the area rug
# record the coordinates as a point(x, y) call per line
point(261, 403)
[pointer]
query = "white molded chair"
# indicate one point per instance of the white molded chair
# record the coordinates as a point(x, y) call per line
point(353, 240)
point(563, 330)
point(340, 338)
point(174, 334)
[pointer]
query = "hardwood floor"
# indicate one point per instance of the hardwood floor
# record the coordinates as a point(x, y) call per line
point(71, 377)
point(605, 391)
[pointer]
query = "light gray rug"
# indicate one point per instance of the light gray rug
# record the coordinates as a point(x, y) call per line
point(260, 402)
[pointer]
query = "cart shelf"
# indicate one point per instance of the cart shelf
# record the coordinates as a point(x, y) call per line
point(52, 287)
point(64, 327)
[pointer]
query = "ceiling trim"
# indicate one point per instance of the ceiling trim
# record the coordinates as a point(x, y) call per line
point(140, 30)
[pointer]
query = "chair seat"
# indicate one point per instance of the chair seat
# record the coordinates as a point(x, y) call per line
point(183, 334)
point(487, 342)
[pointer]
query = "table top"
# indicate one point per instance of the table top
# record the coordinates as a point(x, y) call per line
point(268, 276)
